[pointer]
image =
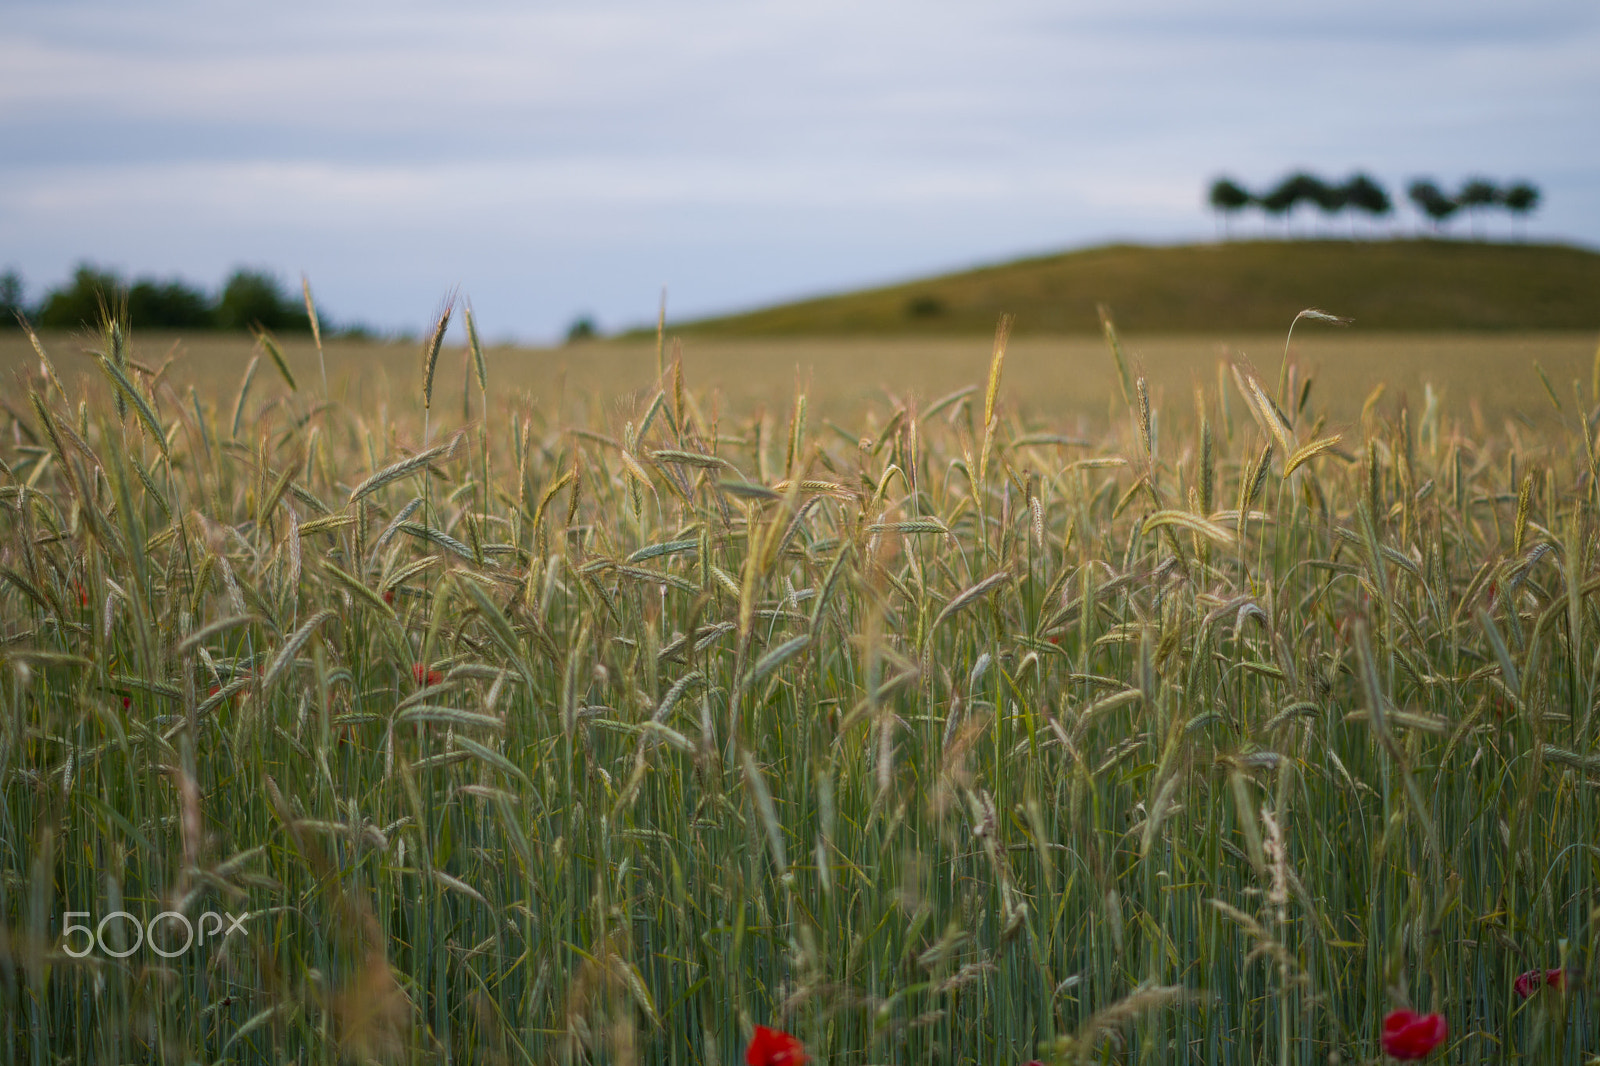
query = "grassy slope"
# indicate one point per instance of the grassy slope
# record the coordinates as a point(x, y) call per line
point(1245, 285)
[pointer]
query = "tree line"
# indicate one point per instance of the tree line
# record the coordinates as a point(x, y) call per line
point(248, 299)
point(1362, 193)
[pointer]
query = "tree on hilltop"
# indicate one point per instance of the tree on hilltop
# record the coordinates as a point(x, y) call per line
point(1299, 187)
point(1520, 199)
point(1330, 198)
point(1476, 194)
point(1361, 192)
point(1432, 202)
point(1228, 198)
point(1364, 194)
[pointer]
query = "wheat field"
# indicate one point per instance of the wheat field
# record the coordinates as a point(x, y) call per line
point(1207, 720)
point(1483, 379)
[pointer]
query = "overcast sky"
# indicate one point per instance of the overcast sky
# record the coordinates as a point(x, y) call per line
point(558, 158)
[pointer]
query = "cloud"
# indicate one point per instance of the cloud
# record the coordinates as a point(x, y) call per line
point(353, 196)
point(844, 140)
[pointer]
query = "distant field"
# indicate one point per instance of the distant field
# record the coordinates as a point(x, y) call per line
point(1051, 377)
point(1244, 286)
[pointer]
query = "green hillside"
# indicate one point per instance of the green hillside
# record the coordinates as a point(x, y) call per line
point(1232, 287)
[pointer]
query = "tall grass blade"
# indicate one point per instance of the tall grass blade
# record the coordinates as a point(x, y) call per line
point(316, 332)
point(1124, 371)
point(270, 344)
point(478, 365)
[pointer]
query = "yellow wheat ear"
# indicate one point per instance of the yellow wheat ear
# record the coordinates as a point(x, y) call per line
point(430, 351)
point(476, 347)
point(316, 331)
point(430, 360)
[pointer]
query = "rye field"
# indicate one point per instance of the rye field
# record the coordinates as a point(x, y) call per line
point(1053, 701)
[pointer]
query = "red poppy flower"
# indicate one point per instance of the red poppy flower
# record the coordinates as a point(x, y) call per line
point(127, 702)
point(83, 594)
point(424, 676)
point(774, 1047)
point(388, 596)
point(1408, 1035)
point(1528, 983)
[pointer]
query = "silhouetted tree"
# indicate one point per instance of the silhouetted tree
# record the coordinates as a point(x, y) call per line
point(1228, 198)
point(254, 298)
point(77, 305)
point(1330, 199)
point(1475, 194)
point(1297, 188)
point(583, 328)
point(1278, 202)
point(168, 305)
point(1520, 199)
point(11, 294)
point(1431, 202)
point(250, 298)
point(1365, 194)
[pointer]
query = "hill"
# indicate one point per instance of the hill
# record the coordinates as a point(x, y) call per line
point(1213, 288)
